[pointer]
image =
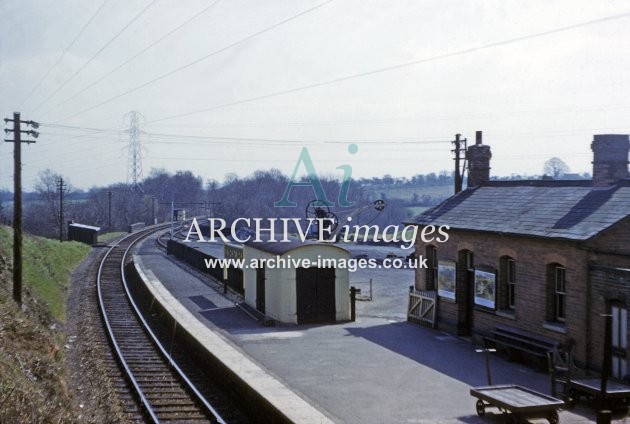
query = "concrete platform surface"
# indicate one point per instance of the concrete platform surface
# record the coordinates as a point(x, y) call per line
point(374, 370)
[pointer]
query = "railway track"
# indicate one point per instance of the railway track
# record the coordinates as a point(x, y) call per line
point(162, 391)
point(178, 233)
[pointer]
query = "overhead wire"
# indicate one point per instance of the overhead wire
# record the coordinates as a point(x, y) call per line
point(135, 56)
point(62, 55)
point(227, 139)
point(98, 52)
point(424, 118)
point(173, 138)
point(392, 67)
point(196, 61)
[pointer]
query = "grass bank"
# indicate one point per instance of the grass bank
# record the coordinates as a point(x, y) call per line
point(33, 382)
point(107, 237)
point(47, 265)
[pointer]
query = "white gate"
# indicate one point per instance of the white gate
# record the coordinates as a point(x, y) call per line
point(422, 307)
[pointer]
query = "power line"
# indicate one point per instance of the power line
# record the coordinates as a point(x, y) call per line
point(188, 65)
point(291, 141)
point(135, 56)
point(86, 63)
point(63, 54)
point(404, 101)
point(414, 119)
point(379, 160)
point(230, 139)
point(430, 118)
point(94, 133)
point(394, 67)
point(71, 127)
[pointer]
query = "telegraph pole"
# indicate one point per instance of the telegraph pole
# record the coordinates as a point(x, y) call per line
point(153, 210)
point(60, 186)
point(109, 214)
point(458, 150)
point(17, 197)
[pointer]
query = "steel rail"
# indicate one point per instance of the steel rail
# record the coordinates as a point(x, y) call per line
point(136, 387)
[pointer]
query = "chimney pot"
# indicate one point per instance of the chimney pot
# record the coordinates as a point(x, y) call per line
point(478, 156)
point(610, 158)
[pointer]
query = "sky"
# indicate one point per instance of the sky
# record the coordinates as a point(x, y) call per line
point(232, 86)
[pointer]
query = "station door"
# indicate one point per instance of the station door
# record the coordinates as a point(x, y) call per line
point(315, 290)
point(260, 289)
point(619, 342)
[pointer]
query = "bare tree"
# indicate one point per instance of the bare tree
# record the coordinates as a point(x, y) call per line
point(556, 168)
point(42, 217)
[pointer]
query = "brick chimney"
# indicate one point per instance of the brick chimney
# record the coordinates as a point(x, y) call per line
point(610, 158)
point(478, 156)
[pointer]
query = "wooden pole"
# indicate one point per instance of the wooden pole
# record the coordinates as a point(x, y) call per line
point(17, 209)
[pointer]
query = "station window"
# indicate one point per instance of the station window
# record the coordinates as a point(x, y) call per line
point(556, 293)
point(508, 283)
point(559, 293)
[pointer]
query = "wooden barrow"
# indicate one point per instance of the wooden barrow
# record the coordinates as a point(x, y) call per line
point(517, 402)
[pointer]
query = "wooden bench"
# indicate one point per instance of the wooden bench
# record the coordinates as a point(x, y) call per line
point(519, 340)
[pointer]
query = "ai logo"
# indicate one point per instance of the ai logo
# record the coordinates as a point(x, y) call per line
point(315, 183)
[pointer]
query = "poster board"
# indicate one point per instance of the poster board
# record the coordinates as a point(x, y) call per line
point(485, 288)
point(447, 272)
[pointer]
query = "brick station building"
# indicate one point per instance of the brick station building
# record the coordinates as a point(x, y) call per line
point(545, 257)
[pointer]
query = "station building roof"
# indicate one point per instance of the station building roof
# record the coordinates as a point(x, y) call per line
point(573, 210)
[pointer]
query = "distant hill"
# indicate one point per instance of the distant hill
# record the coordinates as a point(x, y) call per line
point(413, 194)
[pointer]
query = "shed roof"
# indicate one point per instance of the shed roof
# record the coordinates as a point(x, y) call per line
point(571, 210)
point(279, 247)
point(86, 227)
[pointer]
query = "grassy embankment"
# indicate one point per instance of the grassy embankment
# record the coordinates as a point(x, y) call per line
point(33, 385)
point(47, 265)
point(107, 237)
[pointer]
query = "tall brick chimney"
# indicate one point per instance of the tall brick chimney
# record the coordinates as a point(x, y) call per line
point(478, 156)
point(610, 158)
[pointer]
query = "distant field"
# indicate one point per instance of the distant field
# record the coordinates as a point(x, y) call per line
point(107, 237)
point(413, 211)
point(406, 193)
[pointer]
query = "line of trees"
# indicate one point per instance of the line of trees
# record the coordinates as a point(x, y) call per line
point(248, 197)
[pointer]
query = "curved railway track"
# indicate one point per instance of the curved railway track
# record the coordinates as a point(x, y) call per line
point(164, 393)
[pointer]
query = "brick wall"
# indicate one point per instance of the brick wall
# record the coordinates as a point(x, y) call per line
point(615, 240)
point(532, 257)
point(609, 286)
point(597, 275)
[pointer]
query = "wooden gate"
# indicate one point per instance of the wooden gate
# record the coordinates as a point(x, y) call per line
point(422, 307)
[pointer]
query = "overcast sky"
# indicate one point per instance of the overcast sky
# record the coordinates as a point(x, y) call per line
point(237, 85)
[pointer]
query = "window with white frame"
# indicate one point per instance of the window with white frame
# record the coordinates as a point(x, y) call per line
point(510, 282)
point(559, 293)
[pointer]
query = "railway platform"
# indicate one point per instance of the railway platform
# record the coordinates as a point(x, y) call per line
point(373, 370)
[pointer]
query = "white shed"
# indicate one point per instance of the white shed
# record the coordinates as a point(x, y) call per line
point(289, 292)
